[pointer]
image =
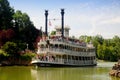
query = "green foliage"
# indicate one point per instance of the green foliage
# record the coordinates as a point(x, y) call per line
point(106, 49)
point(97, 40)
point(21, 46)
point(3, 53)
point(22, 20)
point(10, 48)
point(109, 49)
point(16, 31)
point(6, 13)
point(25, 30)
point(53, 32)
point(27, 56)
point(85, 38)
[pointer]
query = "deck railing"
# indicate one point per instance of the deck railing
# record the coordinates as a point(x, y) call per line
point(69, 61)
point(64, 51)
point(65, 41)
point(69, 42)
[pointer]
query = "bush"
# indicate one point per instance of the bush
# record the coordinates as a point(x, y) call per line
point(10, 48)
point(3, 53)
point(27, 56)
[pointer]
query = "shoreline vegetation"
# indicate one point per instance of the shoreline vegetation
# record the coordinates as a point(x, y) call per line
point(19, 38)
point(24, 59)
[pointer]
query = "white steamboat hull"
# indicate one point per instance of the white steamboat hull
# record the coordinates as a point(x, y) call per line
point(58, 64)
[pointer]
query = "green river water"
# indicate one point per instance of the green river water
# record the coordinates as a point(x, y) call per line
point(100, 72)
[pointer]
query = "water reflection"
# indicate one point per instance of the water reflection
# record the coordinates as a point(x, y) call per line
point(15, 73)
point(71, 73)
point(100, 72)
point(115, 78)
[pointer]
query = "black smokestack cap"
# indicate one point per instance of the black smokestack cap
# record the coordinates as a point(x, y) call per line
point(62, 22)
point(46, 21)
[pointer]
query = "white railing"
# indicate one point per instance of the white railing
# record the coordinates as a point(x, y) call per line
point(64, 51)
point(65, 61)
point(68, 42)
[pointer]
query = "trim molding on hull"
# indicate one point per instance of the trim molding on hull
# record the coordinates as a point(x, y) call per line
point(60, 65)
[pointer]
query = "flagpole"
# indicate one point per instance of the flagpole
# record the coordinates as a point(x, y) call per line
point(50, 24)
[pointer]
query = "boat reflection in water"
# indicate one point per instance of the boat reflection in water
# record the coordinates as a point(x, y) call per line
point(99, 72)
point(82, 73)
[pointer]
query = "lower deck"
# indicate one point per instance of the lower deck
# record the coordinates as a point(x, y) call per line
point(60, 58)
point(56, 64)
point(63, 62)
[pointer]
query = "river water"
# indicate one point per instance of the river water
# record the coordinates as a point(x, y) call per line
point(100, 72)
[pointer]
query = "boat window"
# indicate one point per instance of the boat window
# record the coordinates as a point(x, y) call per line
point(42, 46)
point(56, 45)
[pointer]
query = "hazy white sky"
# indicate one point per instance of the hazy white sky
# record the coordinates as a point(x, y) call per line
point(85, 17)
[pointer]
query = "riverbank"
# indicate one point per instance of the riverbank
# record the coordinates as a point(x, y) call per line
point(16, 63)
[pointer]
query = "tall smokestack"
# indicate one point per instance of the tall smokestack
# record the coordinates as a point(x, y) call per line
point(46, 21)
point(62, 20)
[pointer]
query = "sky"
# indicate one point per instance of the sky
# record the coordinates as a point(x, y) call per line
point(84, 17)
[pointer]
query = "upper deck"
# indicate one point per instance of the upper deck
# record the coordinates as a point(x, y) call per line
point(56, 40)
point(68, 46)
point(64, 45)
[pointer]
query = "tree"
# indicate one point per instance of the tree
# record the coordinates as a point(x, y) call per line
point(3, 55)
point(85, 38)
point(97, 40)
point(21, 20)
point(10, 48)
point(2, 37)
point(109, 49)
point(6, 13)
point(10, 34)
point(6, 35)
point(28, 56)
point(25, 30)
point(116, 45)
point(53, 33)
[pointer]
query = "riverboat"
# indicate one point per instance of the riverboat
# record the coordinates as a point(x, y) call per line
point(60, 50)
